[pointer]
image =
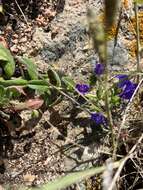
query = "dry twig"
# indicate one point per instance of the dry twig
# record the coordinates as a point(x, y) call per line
point(21, 12)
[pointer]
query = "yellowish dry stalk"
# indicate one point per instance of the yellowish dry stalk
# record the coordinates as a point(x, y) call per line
point(137, 40)
point(111, 7)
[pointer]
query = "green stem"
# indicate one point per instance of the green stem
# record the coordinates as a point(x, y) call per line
point(107, 93)
point(107, 101)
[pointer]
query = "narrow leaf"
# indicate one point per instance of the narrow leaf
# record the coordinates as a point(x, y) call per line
point(54, 77)
point(73, 178)
point(69, 83)
point(31, 67)
point(41, 89)
point(14, 82)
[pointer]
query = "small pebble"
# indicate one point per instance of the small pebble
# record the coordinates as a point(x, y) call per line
point(23, 40)
point(14, 49)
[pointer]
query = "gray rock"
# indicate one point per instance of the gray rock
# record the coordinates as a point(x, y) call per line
point(117, 55)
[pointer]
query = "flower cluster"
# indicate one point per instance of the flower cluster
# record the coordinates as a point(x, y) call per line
point(125, 84)
point(99, 69)
point(82, 88)
point(127, 87)
point(98, 118)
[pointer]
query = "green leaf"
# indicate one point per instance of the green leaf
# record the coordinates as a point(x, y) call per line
point(115, 100)
point(92, 80)
point(14, 82)
point(38, 87)
point(9, 63)
point(54, 77)
point(22, 82)
point(12, 93)
point(41, 89)
point(31, 67)
point(4, 97)
point(2, 91)
point(38, 82)
point(69, 83)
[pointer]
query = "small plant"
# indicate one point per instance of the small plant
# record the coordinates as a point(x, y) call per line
point(103, 96)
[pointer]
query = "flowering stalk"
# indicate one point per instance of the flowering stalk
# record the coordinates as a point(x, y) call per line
point(110, 14)
point(107, 102)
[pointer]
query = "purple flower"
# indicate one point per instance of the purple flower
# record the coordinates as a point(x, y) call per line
point(98, 118)
point(127, 87)
point(128, 91)
point(99, 69)
point(123, 80)
point(82, 88)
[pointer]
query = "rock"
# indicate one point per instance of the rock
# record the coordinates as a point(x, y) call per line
point(15, 41)
point(29, 179)
point(117, 56)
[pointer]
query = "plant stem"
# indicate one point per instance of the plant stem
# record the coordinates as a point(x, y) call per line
point(138, 39)
point(106, 79)
point(107, 94)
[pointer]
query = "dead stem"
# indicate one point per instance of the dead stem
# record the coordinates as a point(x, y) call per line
point(138, 39)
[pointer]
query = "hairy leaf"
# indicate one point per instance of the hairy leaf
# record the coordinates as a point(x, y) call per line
point(41, 89)
point(7, 61)
point(54, 77)
point(31, 67)
point(69, 83)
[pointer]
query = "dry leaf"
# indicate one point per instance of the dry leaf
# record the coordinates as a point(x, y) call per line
point(31, 104)
point(34, 103)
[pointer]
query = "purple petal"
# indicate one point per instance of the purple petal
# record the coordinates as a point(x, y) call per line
point(128, 91)
point(98, 118)
point(124, 83)
point(99, 69)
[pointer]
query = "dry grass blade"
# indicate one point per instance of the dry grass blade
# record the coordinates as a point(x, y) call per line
point(130, 155)
point(74, 178)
